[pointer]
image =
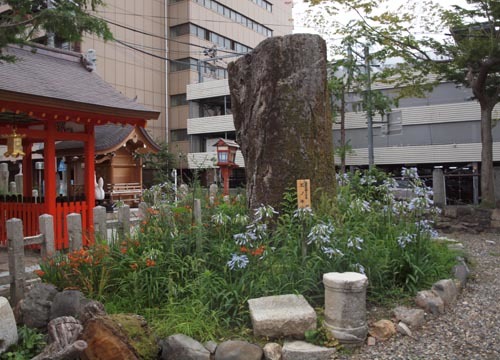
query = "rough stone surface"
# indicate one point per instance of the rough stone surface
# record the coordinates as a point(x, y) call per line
point(282, 315)
point(272, 351)
point(403, 329)
point(461, 272)
point(447, 291)
point(210, 346)
point(8, 329)
point(345, 307)
point(412, 317)
point(35, 307)
point(66, 303)
point(238, 350)
point(281, 116)
point(430, 301)
point(182, 347)
point(301, 350)
point(382, 329)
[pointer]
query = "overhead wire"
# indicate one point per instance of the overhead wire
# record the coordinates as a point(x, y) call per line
point(163, 37)
point(180, 18)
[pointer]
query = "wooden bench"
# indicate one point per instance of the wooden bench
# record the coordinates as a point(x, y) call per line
point(129, 193)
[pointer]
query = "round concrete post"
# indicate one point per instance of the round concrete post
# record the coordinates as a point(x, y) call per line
point(439, 187)
point(345, 306)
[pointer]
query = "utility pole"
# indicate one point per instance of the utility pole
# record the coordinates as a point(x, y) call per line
point(369, 107)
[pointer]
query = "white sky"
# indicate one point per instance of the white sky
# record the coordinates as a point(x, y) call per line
point(299, 7)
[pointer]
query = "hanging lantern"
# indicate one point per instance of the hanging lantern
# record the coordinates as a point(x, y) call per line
point(14, 144)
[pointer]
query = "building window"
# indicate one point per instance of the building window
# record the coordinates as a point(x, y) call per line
point(237, 17)
point(171, 2)
point(264, 4)
point(182, 64)
point(179, 135)
point(179, 30)
point(178, 100)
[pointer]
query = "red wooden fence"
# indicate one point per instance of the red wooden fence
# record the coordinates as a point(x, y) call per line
point(29, 213)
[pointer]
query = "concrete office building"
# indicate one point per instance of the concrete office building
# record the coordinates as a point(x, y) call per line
point(198, 37)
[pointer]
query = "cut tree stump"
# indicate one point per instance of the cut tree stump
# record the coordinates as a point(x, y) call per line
point(63, 343)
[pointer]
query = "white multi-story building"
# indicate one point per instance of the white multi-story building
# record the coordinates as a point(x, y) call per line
point(440, 130)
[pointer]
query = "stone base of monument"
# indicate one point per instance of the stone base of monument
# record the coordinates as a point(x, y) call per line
point(282, 316)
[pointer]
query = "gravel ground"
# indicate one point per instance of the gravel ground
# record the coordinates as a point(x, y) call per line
point(470, 329)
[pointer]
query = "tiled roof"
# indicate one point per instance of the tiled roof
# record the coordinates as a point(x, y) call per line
point(106, 137)
point(58, 74)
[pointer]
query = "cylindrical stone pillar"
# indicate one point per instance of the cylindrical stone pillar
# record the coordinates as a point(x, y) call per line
point(439, 187)
point(345, 307)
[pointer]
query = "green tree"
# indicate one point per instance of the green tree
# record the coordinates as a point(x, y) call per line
point(161, 162)
point(24, 20)
point(460, 44)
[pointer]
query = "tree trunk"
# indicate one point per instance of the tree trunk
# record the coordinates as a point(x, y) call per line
point(487, 178)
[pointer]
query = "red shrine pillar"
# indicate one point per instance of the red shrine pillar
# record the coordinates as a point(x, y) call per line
point(49, 157)
point(27, 169)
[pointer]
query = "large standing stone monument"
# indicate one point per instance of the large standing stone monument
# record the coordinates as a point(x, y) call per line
point(281, 114)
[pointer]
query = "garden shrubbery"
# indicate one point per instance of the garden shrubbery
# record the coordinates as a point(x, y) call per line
point(196, 279)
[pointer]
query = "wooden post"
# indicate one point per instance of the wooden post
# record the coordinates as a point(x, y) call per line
point(74, 222)
point(100, 222)
point(123, 221)
point(15, 239)
point(46, 226)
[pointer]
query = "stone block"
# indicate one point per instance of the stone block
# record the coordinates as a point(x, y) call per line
point(282, 315)
point(35, 307)
point(272, 351)
point(461, 273)
point(412, 317)
point(183, 347)
point(495, 215)
point(301, 350)
point(238, 350)
point(447, 291)
point(430, 302)
point(8, 329)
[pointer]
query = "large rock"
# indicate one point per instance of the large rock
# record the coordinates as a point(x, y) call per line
point(183, 347)
point(67, 303)
point(282, 315)
point(301, 350)
point(382, 329)
point(412, 317)
point(238, 350)
point(8, 329)
point(281, 114)
point(447, 291)
point(461, 272)
point(430, 301)
point(35, 307)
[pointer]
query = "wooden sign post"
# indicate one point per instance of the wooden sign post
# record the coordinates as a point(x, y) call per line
point(303, 193)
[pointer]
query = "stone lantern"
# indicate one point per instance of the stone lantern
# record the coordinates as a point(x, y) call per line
point(226, 156)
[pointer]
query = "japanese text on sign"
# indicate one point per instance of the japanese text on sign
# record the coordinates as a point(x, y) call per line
point(303, 193)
